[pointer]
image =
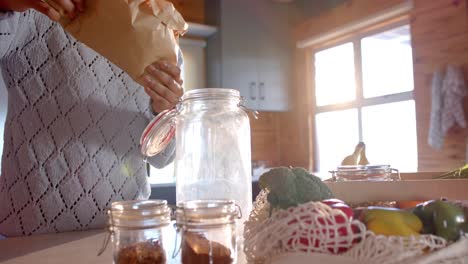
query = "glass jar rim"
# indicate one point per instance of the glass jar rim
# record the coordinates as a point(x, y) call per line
point(207, 212)
point(361, 168)
point(139, 212)
point(211, 94)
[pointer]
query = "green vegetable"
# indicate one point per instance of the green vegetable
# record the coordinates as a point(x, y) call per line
point(291, 187)
point(425, 213)
point(309, 187)
point(464, 226)
point(461, 173)
point(448, 219)
point(464, 229)
point(441, 218)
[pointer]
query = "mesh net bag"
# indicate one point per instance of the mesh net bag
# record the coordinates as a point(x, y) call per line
point(456, 253)
point(310, 227)
point(394, 249)
point(316, 228)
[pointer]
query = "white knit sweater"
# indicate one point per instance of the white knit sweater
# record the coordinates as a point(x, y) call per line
point(71, 134)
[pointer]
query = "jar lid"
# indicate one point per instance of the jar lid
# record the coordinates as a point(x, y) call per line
point(139, 213)
point(207, 212)
point(158, 134)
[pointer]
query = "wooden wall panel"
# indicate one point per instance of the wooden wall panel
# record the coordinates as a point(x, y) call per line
point(439, 32)
point(265, 138)
point(296, 126)
point(191, 10)
point(349, 12)
point(276, 141)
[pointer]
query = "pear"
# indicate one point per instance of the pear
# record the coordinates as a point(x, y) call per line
point(363, 159)
point(354, 158)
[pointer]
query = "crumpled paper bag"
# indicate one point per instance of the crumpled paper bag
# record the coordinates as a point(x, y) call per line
point(132, 34)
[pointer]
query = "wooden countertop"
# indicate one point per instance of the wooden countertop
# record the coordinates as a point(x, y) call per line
point(73, 247)
point(66, 248)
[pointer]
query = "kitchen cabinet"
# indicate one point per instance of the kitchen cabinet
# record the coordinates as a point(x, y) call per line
point(251, 52)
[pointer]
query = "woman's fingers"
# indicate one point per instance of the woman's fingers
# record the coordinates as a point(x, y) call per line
point(166, 79)
point(170, 69)
point(66, 6)
point(161, 90)
point(163, 84)
point(69, 8)
point(46, 9)
point(159, 104)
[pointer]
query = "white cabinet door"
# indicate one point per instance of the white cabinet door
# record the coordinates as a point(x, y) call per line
point(239, 49)
point(272, 87)
point(273, 58)
point(254, 56)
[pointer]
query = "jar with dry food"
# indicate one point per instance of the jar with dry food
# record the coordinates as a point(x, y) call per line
point(208, 231)
point(139, 231)
point(211, 130)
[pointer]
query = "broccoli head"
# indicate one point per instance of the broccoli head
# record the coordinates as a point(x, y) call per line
point(291, 187)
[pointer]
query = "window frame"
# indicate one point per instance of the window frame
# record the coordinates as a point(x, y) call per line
point(360, 101)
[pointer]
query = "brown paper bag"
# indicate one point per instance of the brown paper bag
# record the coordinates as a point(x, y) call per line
point(132, 34)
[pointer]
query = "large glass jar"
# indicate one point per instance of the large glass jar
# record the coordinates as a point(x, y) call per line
point(213, 158)
point(208, 231)
point(140, 232)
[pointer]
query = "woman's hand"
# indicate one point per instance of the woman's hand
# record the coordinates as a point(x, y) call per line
point(163, 84)
point(54, 9)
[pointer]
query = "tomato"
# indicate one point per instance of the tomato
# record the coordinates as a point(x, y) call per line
point(340, 205)
point(306, 236)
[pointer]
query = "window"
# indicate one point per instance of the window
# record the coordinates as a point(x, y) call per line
point(363, 92)
point(193, 75)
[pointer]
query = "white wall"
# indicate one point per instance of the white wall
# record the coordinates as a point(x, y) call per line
point(3, 109)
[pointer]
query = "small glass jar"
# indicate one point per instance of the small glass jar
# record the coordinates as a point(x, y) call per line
point(138, 231)
point(213, 149)
point(365, 173)
point(208, 231)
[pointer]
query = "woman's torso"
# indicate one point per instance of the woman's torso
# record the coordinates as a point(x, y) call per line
point(71, 133)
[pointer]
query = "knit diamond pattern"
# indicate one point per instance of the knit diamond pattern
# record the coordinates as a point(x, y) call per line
point(71, 134)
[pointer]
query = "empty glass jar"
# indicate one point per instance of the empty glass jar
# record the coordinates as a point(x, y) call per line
point(365, 173)
point(208, 231)
point(140, 231)
point(213, 152)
